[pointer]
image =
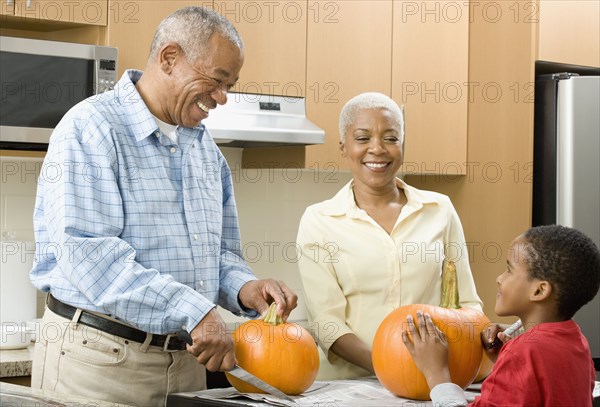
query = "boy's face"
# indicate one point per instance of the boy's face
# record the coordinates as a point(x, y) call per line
point(515, 286)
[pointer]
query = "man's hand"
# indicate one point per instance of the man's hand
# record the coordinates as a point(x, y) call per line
point(259, 294)
point(428, 347)
point(213, 346)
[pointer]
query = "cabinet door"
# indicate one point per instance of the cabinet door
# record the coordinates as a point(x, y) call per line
point(430, 78)
point(89, 12)
point(349, 52)
point(569, 30)
point(274, 35)
point(7, 7)
point(132, 25)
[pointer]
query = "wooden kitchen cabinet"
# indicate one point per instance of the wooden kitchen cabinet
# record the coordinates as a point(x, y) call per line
point(415, 52)
point(7, 7)
point(274, 35)
point(348, 52)
point(569, 30)
point(57, 20)
point(132, 25)
point(430, 57)
point(88, 12)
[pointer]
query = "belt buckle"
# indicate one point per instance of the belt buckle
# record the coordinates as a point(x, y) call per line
point(166, 344)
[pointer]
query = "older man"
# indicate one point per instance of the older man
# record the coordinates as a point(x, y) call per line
point(137, 231)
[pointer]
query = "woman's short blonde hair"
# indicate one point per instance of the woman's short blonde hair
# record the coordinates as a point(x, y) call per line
point(370, 100)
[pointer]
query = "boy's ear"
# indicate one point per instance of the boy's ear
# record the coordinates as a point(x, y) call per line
point(542, 290)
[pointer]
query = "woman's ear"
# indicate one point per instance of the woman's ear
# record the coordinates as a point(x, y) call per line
point(542, 291)
point(343, 149)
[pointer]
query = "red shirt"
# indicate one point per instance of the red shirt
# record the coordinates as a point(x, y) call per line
point(549, 365)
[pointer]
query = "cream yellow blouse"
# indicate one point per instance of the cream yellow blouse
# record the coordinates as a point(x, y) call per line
point(354, 274)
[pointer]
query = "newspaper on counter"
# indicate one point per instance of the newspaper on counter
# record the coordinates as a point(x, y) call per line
point(365, 392)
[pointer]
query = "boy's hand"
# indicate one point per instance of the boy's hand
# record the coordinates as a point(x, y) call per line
point(492, 339)
point(428, 347)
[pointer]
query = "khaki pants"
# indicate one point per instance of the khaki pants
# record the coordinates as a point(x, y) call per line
point(75, 359)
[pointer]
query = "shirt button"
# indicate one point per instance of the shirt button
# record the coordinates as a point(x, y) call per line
point(195, 237)
point(173, 150)
point(200, 284)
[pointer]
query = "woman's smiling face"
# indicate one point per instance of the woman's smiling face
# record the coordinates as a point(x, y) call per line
point(373, 147)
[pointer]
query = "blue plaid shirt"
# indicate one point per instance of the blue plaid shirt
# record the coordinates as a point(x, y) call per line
point(130, 224)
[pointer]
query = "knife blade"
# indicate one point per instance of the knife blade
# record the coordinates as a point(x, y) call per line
point(244, 375)
point(249, 378)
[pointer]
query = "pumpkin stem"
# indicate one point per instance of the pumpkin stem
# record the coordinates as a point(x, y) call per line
point(272, 317)
point(449, 285)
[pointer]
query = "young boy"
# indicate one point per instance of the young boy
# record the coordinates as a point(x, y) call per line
point(552, 271)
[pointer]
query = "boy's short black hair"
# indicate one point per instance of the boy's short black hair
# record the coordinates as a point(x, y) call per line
point(569, 260)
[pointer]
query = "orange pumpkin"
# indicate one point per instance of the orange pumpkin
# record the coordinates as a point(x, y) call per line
point(282, 354)
point(394, 365)
point(485, 369)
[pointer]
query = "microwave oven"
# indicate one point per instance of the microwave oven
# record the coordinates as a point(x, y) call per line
point(41, 80)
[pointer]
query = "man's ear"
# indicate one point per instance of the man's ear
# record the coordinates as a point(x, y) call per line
point(168, 55)
point(542, 291)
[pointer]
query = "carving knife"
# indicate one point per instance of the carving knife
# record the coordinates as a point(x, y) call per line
point(244, 375)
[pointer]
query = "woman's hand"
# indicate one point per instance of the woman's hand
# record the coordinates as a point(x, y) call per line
point(428, 347)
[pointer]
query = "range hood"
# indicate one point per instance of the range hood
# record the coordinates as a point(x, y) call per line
point(251, 120)
point(246, 120)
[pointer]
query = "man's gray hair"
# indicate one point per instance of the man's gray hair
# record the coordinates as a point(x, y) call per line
point(369, 100)
point(191, 28)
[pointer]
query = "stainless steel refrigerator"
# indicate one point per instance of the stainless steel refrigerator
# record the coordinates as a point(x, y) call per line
point(566, 167)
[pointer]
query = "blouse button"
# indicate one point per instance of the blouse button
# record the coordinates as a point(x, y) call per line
point(173, 150)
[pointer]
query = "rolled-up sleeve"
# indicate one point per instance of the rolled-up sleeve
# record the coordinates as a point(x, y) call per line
point(325, 301)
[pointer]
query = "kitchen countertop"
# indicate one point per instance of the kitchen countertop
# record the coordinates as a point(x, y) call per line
point(16, 395)
point(16, 362)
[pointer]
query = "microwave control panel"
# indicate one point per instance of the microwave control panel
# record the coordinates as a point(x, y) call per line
point(107, 75)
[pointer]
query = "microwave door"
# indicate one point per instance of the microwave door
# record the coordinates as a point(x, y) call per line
point(37, 90)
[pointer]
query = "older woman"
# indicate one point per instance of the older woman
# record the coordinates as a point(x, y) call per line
point(376, 245)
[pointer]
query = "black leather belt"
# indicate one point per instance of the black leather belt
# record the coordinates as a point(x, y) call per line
point(167, 342)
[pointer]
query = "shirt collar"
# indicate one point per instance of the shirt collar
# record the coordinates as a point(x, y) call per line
point(343, 202)
point(137, 115)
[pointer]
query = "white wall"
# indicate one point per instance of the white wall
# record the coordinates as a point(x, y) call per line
point(17, 196)
point(270, 205)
